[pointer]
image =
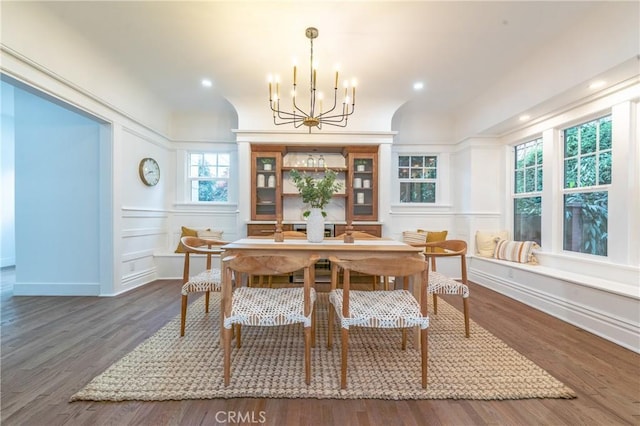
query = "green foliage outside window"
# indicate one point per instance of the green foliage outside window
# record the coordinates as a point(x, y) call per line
point(209, 175)
point(587, 164)
point(417, 174)
point(585, 222)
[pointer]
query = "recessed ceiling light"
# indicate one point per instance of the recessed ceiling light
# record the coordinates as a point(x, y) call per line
point(418, 85)
point(597, 84)
point(524, 117)
point(206, 82)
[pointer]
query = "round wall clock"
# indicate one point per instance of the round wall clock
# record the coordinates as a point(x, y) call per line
point(149, 171)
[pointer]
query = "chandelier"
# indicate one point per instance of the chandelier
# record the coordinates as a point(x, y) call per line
point(337, 115)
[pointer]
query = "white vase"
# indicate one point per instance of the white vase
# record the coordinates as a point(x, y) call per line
point(315, 226)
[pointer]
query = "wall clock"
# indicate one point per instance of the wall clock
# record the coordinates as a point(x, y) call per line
point(149, 171)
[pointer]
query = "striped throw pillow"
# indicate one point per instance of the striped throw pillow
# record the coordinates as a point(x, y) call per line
point(412, 237)
point(516, 251)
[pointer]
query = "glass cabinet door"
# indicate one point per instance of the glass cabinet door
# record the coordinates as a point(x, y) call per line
point(363, 186)
point(266, 196)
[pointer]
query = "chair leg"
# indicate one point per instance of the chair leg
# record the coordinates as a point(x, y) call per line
point(424, 355)
point(404, 339)
point(435, 304)
point(206, 301)
point(227, 355)
point(183, 315)
point(238, 336)
point(465, 304)
point(307, 355)
point(330, 328)
point(345, 344)
point(313, 327)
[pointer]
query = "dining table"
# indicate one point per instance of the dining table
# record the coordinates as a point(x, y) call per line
point(329, 247)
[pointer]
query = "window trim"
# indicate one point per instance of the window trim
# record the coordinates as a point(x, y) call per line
point(435, 181)
point(563, 190)
point(538, 139)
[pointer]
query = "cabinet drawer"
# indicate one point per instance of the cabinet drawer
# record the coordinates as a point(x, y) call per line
point(264, 229)
point(375, 230)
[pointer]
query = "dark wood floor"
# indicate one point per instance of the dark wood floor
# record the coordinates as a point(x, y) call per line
point(52, 346)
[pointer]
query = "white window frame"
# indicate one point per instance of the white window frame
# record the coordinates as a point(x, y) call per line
point(183, 183)
point(536, 139)
point(190, 179)
point(563, 191)
point(435, 180)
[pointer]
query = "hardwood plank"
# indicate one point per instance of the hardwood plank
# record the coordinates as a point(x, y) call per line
point(52, 346)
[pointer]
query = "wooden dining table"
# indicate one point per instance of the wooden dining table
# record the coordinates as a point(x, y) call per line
point(379, 247)
point(359, 249)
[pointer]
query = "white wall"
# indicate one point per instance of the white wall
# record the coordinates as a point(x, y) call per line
point(40, 38)
point(605, 38)
point(57, 221)
point(7, 166)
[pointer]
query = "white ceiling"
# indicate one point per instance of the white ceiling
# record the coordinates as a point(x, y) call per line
point(457, 49)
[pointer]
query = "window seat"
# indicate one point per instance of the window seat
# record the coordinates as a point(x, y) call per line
point(616, 287)
point(607, 307)
point(169, 265)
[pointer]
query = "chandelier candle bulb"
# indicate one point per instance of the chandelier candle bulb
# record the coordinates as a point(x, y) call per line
point(294, 74)
point(336, 84)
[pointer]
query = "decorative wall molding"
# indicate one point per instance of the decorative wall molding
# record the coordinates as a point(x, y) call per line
point(136, 279)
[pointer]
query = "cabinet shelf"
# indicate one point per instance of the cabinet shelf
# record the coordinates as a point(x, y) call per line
point(297, 194)
point(313, 169)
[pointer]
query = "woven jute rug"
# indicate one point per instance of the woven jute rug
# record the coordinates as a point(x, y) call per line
point(270, 364)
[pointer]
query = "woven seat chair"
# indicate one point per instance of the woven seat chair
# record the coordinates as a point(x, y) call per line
point(291, 235)
point(441, 284)
point(360, 235)
point(206, 281)
point(253, 306)
point(379, 309)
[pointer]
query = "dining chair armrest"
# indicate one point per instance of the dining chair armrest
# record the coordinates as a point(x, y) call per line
point(202, 245)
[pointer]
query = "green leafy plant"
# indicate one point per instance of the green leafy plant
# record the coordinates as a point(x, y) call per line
point(316, 192)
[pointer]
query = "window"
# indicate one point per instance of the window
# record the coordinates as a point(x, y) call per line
point(417, 175)
point(587, 171)
point(527, 201)
point(209, 176)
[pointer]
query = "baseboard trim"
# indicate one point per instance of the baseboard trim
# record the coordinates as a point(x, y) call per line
point(56, 289)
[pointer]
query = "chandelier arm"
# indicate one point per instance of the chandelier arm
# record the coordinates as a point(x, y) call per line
point(290, 121)
point(297, 108)
point(335, 102)
point(343, 116)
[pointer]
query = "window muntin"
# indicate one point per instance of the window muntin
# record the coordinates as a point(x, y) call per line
point(418, 178)
point(587, 154)
point(528, 167)
point(527, 202)
point(587, 168)
point(208, 176)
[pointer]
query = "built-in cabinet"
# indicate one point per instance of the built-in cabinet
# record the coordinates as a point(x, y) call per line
point(271, 187)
